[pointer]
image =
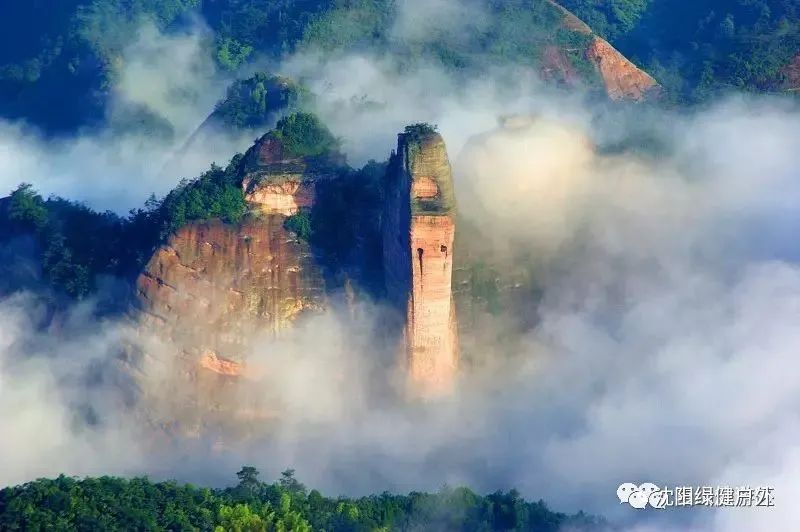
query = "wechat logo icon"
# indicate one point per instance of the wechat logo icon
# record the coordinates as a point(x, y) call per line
point(640, 496)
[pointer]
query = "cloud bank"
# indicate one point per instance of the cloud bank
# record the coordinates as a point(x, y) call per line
point(163, 88)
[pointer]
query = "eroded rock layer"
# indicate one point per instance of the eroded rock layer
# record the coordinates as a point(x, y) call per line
point(278, 183)
point(623, 80)
point(419, 229)
point(213, 286)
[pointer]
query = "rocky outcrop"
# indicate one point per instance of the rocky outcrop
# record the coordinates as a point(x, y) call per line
point(556, 67)
point(623, 80)
point(418, 235)
point(277, 183)
point(214, 286)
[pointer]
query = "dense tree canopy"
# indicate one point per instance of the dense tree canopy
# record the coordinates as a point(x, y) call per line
point(699, 48)
point(108, 503)
point(57, 60)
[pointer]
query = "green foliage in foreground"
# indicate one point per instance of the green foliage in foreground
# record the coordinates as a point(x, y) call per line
point(109, 503)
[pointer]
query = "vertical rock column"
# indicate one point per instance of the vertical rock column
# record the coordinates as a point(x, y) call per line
point(419, 228)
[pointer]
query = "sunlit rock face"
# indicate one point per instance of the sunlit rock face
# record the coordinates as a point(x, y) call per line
point(213, 289)
point(419, 229)
point(213, 285)
point(623, 80)
point(277, 183)
point(207, 295)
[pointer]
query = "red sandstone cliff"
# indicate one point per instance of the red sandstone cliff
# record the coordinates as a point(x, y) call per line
point(213, 284)
point(622, 79)
point(419, 230)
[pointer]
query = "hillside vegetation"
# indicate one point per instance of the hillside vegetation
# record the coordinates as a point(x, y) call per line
point(56, 65)
point(700, 48)
point(76, 245)
point(108, 503)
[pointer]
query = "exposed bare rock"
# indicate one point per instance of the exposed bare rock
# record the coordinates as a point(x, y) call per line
point(419, 230)
point(556, 67)
point(280, 198)
point(570, 21)
point(623, 79)
point(212, 286)
point(211, 361)
point(278, 183)
point(791, 75)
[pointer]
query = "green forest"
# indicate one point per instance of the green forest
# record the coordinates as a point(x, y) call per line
point(701, 48)
point(109, 503)
point(58, 61)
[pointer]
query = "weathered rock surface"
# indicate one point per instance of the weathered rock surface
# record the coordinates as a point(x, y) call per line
point(213, 286)
point(419, 230)
point(623, 80)
point(278, 183)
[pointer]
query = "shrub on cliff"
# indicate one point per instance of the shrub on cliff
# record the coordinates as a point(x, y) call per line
point(300, 224)
point(419, 131)
point(302, 134)
point(215, 194)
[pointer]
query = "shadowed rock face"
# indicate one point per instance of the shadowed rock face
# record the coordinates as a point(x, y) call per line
point(419, 230)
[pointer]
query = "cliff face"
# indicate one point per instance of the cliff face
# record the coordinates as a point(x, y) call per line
point(214, 285)
point(214, 288)
point(278, 183)
point(418, 234)
point(622, 79)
